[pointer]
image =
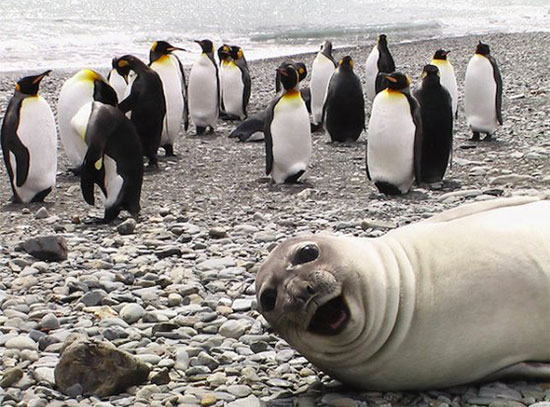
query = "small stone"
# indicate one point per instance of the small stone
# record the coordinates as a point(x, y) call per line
point(242, 304)
point(49, 322)
point(93, 298)
point(42, 213)
point(250, 401)
point(10, 377)
point(48, 248)
point(161, 377)
point(174, 299)
point(127, 227)
point(21, 342)
point(217, 233)
point(208, 399)
point(132, 312)
point(376, 224)
point(239, 390)
point(233, 328)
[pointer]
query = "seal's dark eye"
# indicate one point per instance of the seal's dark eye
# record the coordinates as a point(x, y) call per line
point(268, 299)
point(306, 253)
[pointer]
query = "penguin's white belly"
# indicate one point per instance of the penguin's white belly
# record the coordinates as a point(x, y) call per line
point(480, 95)
point(448, 80)
point(172, 87)
point(113, 182)
point(371, 72)
point(74, 94)
point(37, 132)
point(232, 90)
point(203, 93)
point(291, 136)
point(390, 148)
point(118, 83)
point(322, 70)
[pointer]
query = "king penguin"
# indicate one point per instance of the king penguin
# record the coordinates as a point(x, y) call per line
point(235, 83)
point(164, 62)
point(146, 104)
point(204, 89)
point(378, 61)
point(483, 93)
point(344, 107)
point(117, 82)
point(113, 159)
point(394, 137)
point(447, 75)
point(83, 87)
point(322, 69)
point(287, 130)
point(29, 142)
point(437, 125)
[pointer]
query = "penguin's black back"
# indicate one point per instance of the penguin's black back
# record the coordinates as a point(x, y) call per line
point(437, 130)
point(344, 108)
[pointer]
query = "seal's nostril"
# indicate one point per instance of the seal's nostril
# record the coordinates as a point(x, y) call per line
point(310, 289)
point(268, 299)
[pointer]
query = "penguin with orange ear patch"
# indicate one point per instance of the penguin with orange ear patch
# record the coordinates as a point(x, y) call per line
point(394, 137)
point(287, 130)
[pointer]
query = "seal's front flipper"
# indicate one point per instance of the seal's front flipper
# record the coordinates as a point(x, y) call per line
point(478, 207)
point(536, 371)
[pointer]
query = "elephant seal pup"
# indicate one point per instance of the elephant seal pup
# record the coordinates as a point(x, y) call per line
point(461, 297)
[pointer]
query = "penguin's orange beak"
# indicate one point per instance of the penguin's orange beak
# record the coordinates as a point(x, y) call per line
point(282, 71)
point(391, 78)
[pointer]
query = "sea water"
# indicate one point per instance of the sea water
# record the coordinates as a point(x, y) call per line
point(71, 34)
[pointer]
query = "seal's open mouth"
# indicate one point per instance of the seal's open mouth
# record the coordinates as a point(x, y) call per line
point(330, 318)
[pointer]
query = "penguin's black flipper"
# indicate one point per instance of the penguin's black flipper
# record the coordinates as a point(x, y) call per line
point(498, 81)
point(305, 92)
point(184, 92)
point(12, 144)
point(22, 158)
point(247, 87)
point(417, 119)
point(267, 135)
point(129, 103)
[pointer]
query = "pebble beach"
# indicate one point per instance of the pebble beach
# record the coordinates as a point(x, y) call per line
point(176, 289)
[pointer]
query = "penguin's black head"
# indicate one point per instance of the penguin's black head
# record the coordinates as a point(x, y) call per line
point(236, 52)
point(160, 48)
point(482, 49)
point(224, 52)
point(430, 71)
point(114, 62)
point(346, 62)
point(397, 81)
point(326, 48)
point(441, 54)
point(301, 69)
point(206, 45)
point(383, 39)
point(127, 63)
point(104, 93)
point(29, 84)
point(288, 75)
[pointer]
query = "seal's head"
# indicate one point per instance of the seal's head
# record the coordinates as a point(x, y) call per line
point(308, 289)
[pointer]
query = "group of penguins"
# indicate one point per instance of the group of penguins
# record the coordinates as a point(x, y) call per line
point(107, 125)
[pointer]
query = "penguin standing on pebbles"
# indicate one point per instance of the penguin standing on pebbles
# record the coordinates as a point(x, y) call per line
point(146, 104)
point(437, 125)
point(163, 61)
point(378, 61)
point(235, 83)
point(204, 90)
point(287, 130)
point(344, 107)
point(322, 69)
point(483, 94)
point(29, 142)
point(447, 75)
point(394, 137)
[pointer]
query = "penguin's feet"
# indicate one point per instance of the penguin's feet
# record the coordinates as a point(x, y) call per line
point(76, 170)
point(200, 130)
point(475, 136)
point(228, 116)
point(315, 127)
point(168, 150)
point(488, 137)
point(210, 130)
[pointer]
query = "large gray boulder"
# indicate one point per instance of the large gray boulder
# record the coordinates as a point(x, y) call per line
point(49, 248)
point(90, 367)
